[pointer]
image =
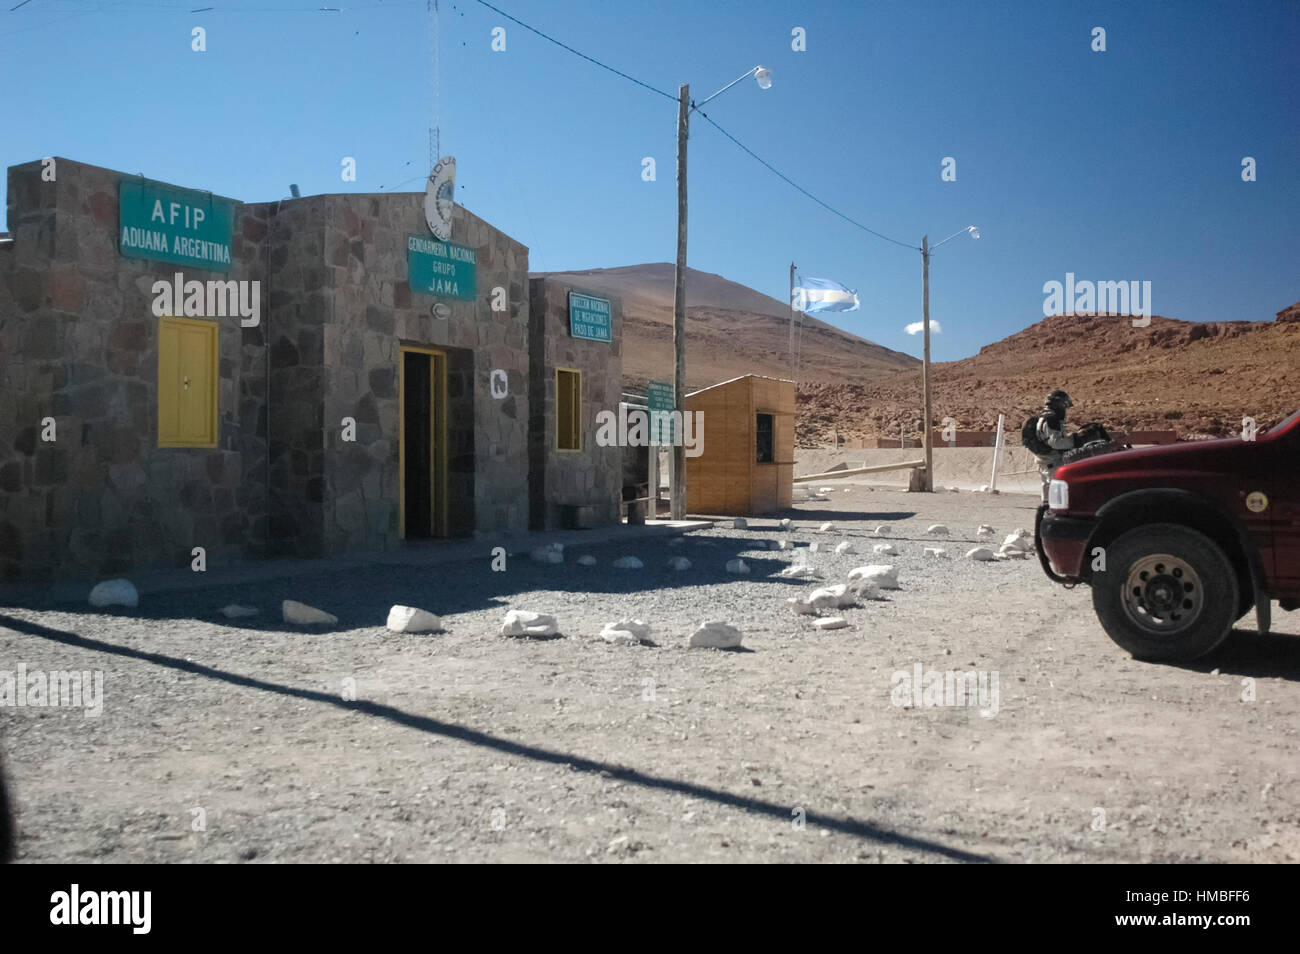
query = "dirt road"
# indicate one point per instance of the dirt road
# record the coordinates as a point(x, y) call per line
point(467, 746)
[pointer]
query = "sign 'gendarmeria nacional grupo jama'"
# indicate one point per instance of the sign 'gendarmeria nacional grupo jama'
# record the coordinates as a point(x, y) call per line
point(180, 226)
point(441, 268)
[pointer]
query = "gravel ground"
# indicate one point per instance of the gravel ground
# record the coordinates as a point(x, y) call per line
point(467, 746)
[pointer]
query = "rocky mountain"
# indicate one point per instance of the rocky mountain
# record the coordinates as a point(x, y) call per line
point(730, 330)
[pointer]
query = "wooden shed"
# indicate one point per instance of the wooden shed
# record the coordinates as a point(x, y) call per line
point(747, 464)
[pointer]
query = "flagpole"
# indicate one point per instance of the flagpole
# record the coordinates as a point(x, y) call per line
point(792, 319)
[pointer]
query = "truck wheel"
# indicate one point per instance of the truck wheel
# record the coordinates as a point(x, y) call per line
point(1168, 593)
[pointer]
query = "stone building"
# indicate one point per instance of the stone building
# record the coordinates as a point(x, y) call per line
point(371, 385)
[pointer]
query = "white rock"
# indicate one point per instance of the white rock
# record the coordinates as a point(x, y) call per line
point(985, 531)
point(546, 555)
point(410, 619)
point(831, 597)
point(679, 563)
point(737, 566)
point(814, 547)
point(983, 489)
point(799, 571)
point(801, 607)
point(114, 593)
point(937, 530)
point(740, 523)
point(628, 563)
point(626, 632)
point(827, 527)
point(826, 490)
point(937, 552)
point(235, 611)
point(586, 560)
point(878, 532)
point(785, 523)
point(784, 545)
point(831, 622)
point(982, 554)
point(1017, 542)
point(526, 623)
point(865, 589)
point(883, 576)
point(304, 615)
point(953, 490)
point(1022, 532)
point(715, 636)
point(1011, 553)
point(845, 547)
point(884, 549)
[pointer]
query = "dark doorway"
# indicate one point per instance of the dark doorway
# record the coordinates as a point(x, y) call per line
point(423, 406)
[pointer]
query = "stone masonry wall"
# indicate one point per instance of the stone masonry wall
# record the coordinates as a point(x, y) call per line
point(78, 342)
point(592, 476)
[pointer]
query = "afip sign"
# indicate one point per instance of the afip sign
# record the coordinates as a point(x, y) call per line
point(590, 318)
point(179, 226)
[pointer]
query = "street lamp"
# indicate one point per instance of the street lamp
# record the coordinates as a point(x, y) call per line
point(927, 482)
point(763, 76)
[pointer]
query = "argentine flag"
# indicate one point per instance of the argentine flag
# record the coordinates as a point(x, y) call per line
point(813, 295)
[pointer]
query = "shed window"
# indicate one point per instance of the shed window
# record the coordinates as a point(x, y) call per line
point(187, 383)
point(763, 438)
point(568, 410)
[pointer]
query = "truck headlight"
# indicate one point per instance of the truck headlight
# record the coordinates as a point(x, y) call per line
point(1058, 495)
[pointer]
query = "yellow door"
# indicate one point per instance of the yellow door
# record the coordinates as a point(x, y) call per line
point(187, 383)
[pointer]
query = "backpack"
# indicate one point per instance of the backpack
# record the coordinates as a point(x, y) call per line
point(1029, 437)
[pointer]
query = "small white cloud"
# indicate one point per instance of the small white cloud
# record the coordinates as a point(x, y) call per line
point(916, 327)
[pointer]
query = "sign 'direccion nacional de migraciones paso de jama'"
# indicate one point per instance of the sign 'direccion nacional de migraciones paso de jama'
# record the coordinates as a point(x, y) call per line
point(441, 268)
point(590, 317)
point(179, 226)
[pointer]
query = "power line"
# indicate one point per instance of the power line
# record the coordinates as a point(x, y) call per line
point(603, 66)
point(801, 189)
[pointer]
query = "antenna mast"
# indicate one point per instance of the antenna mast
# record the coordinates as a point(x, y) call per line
point(435, 145)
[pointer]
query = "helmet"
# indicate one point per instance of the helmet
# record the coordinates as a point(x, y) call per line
point(1057, 402)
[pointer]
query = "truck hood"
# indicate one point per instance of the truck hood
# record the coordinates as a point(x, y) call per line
point(1221, 456)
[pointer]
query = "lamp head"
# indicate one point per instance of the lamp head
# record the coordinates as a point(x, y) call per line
point(974, 232)
point(764, 77)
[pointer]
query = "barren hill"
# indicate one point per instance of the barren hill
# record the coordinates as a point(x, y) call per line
point(1198, 379)
point(730, 330)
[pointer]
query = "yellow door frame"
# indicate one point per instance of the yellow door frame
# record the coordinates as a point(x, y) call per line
point(438, 504)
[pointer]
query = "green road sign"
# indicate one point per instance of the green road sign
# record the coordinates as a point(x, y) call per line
point(441, 268)
point(590, 318)
point(659, 400)
point(174, 225)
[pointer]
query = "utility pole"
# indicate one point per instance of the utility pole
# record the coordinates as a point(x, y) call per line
point(927, 481)
point(677, 509)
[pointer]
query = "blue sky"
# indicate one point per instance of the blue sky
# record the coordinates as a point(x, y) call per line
point(1122, 165)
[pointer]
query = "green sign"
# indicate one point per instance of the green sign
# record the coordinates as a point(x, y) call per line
point(590, 318)
point(441, 268)
point(180, 226)
point(659, 400)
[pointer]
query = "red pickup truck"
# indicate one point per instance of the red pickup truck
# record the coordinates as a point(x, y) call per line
point(1179, 542)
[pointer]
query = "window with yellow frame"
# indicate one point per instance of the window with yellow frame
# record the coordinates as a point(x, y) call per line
point(568, 409)
point(187, 382)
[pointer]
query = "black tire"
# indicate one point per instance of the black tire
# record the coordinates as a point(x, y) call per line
point(1168, 593)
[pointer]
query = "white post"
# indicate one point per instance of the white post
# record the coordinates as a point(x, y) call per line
point(997, 452)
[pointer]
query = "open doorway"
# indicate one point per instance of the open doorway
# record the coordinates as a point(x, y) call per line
point(422, 408)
